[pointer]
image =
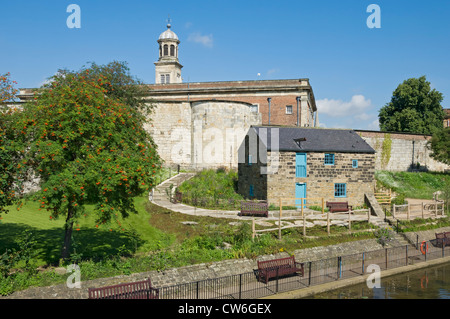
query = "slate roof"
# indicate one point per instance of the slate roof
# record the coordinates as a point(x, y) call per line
point(317, 140)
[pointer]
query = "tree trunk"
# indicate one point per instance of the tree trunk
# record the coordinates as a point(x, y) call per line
point(65, 253)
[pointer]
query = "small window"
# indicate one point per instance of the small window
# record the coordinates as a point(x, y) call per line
point(167, 78)
point(172, 50)
point(249, 160)
point(340, 190)
point(288, 109)
point(355, 163)
point(163, 79)
point(166, 50)
point(251, 191)
point(254, 108)
point(329, 159)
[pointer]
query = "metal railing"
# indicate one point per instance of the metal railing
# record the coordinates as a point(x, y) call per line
point(247, 286)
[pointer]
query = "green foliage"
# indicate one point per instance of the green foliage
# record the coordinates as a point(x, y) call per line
point(419, 185)
point(440, 145)
point(386, 150)
point(11, 170)
point(211, 188)
point(87, 147)
point(23, 253)
point(414, 108)
point(384, 236)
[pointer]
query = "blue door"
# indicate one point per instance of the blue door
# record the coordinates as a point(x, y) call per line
point(300, 192)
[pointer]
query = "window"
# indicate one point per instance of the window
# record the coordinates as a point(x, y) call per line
point(288, 109)
point(254, 108)
point(300, 165)
point(340, 190)
point(166, 50)
point(167, 78)
point(249, 160)
point(355, 163)
point(163, 78)
point(172, 50)
point(251, 191)
point(329, 159)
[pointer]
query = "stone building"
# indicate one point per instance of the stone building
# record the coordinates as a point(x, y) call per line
point(201, 125)
point(446, 117)
point(291, 162)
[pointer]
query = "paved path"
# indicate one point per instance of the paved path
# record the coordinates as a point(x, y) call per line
point(289, 217)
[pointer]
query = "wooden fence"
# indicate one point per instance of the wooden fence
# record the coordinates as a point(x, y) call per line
point(422, 210)
point(330, 218)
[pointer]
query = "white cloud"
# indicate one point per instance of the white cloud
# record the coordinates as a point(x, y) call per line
point(272, 71)
point(375, 125)
point(197, 37)
point(339, 108)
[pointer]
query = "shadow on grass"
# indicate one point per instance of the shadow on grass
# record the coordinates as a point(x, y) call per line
point(93, 244)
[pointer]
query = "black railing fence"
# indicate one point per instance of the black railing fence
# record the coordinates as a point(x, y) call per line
point(247, 286)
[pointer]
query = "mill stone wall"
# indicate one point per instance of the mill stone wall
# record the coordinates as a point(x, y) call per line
point(402, 151)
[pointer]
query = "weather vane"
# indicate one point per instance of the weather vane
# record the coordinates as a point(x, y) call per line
point(168, 21)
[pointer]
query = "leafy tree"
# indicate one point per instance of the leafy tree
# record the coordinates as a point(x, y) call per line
point(88, 147)
point(440, 145)
point(10, 150)
point(414, 108)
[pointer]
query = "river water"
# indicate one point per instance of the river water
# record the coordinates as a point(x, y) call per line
point(427, 283)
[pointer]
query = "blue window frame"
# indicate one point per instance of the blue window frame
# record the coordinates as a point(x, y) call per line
point(329, 159)
point(340, 190)
point(251, 192)
point(300, 165)
point(355, 163)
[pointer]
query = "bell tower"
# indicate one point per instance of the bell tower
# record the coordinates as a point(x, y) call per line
point(168, 68)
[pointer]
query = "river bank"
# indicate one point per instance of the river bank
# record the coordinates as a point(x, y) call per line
point(224, 268)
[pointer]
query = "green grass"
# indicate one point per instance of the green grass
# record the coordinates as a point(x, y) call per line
point(92, 242)
point(420, 185)
point(213, 189)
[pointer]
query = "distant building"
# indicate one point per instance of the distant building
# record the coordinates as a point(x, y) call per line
point(201, 125)
point(447, 118)
point(291, 162)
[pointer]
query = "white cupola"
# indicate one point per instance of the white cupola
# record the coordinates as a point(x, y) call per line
point(168, 68)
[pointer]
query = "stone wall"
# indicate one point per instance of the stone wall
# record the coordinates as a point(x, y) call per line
point(320, 181)
point(401, 151)
point(201, 134)
point(321, 178)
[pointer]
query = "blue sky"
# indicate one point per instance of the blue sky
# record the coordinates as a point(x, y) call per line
point(353, 69)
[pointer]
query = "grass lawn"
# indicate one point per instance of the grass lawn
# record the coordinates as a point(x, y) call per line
point(92, 242)
point(420, 185)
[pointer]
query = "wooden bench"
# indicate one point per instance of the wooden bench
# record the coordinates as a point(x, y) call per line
point(135, 290)
point(254, 209)
point(338, 207)
point(443, 239)
point(278, 267)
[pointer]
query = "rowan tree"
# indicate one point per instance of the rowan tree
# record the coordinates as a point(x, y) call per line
point(87, 147)
point(10, 148)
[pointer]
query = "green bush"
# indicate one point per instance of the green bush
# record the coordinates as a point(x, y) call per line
point(212, 189)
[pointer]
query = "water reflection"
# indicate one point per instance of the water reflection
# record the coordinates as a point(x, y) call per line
point(428, 283)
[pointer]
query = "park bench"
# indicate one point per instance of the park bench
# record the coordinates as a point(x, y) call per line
point(443, 239)
point(135, 290)
point(338, 207)
point(254, 209)
point(274, 268)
